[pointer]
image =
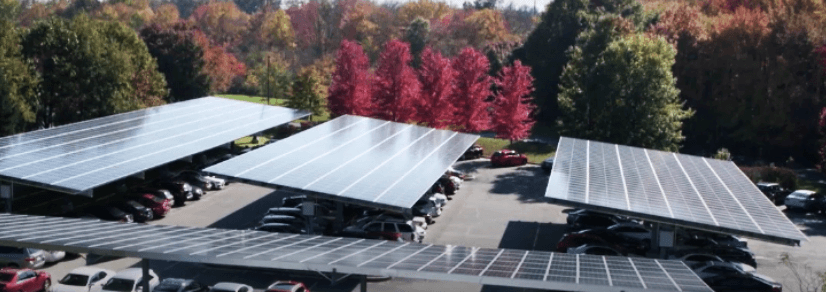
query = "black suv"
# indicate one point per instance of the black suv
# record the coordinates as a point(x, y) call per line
point(180, 285)
point(138, 211)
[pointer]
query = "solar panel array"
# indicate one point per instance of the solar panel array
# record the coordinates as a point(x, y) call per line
point(356, 159)
point(78, 157)
point(668, 187)
point(507, 267)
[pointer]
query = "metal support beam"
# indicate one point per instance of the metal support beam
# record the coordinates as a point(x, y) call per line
point(363, 283)
point(145, 277)
point(338, 224)
point(7, 193)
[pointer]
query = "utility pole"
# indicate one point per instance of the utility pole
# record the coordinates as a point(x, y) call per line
point(268, 79)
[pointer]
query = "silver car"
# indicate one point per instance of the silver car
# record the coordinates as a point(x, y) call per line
point(17, 257)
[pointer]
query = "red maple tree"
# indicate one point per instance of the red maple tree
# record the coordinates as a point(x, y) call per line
point(396, 88)
point(438, 79)
point(472, 89)
point(221, 65)
point(512, 108)
point(349, 92)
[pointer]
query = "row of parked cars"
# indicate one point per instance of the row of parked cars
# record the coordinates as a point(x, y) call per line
point(361, 222)
point(723, 261)
point(93, 279)
point(155, 199)
point(799, 200)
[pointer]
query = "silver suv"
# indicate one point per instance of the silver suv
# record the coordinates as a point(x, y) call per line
point(22, 257)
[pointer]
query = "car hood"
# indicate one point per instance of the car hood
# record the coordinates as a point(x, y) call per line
point(66, 288)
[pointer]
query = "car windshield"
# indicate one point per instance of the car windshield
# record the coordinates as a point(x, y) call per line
point(801, 196)
point(285, 287)
point(158, 199)
point(5, 277)
point(116, 284)
point(74, 280)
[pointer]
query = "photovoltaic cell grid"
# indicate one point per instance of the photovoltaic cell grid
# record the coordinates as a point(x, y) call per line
point(506, 267)
point(679, 189)
point(355, 159)
point(78, 157)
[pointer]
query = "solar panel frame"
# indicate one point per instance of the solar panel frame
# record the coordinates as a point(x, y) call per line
point(78, 157)
point(353, 159)
point(670, 188)
point(246, 248)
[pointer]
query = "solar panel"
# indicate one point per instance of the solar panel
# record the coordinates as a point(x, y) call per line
point(356, 159)
point(672, 188)
point(78, 157)
point(246, 248)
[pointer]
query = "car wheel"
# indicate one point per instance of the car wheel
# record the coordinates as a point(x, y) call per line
point(150, 216)
point(47, 284)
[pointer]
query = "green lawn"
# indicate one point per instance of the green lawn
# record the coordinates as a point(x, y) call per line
point(247, 141)
point(536, 152)
point(256, 99)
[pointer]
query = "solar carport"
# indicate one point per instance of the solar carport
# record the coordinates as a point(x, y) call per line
point(78, 157)
point(669, 188)
point(353, 159)
point(245, 248)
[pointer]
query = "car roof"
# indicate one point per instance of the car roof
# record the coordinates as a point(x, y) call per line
point(175, 281)
point(767, 184)
point(293, 283)
point(88, 271)
point(279, 216)
point(130, 273)
point(227, 286)
point(805, 192)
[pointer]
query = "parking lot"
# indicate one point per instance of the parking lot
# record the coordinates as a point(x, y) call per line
point(498, 208)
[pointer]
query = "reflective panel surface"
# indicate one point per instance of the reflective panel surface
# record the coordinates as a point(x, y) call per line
point(672, 188)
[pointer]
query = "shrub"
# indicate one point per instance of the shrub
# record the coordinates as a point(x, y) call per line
point(784, 176)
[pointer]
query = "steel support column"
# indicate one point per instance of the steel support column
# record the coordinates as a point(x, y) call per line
point(145, 277)
point(363, 283)
point(7, 191)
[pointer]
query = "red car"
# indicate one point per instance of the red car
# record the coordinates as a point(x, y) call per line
point(24, 280)
point(287, 286)
point(507, 157)
point(159, 205)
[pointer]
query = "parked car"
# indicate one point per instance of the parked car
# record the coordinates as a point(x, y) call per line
point(594, 250)
point(426, 209)
point(749, 282)
point(292, 211)
point(445, 186)
point(230, 287)
point(287, 286)
point(138, 211)
point(729, 254)
point(280, 228)
point(604, 238)
point(181, 190)
point(161, 193)
point(160, 206)
point(715, 268)
point(584, 219)
point(507, 157)
point(22, 257)
point(805, 200)
point(547, 164)
point(83, 279)
point(180, 285)
point(632, 230)
point(381, 216)
point(217, 183)
point(389, 230)
point(195, 179)
point(130, 280)
point(110, 213)
point(24, 280)
point(293, 201)
point(718, 238)
point(473, 152)
point(197, 193)
point(774, 192)
point(52, 256)
point(696, 259)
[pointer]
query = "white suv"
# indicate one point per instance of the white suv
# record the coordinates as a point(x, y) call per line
point(392, 229)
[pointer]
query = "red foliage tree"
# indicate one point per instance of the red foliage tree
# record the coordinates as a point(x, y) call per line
point(221, 66)
point(472, 89)
point(395, 89)
point(438, 79)
point(512, 109)
point(305, 21)
point(822, 149)
point(349, 91)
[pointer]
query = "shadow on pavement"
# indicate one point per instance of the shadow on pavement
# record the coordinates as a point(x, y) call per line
point(528, 236)
point(471, 167)
point(528, 182)
point(810, 223)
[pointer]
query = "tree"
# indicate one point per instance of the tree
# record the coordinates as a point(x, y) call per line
point(306, 93)
point(221, 21)
point(485, 26)
point(426, 9)
point(180, 58)
point(221, 66)
point(624, 93)
point(273, 76)
point(438, 79)
point(166, 15)
point(90, 69)
point(472, 90)
point(272, 28)
point(395, 89)
point(349, 92)
point(416, 35)
point(512, 111)
point(17, 83)
point(9, 10)
point(252, 6)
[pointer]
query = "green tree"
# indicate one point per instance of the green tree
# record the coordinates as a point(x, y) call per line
point(9, 10)
point(307, 93)
point(180, 59)
point(274, 80)
point(17, 83)
point(416, 35)
point(90, 69)
point(624, 93)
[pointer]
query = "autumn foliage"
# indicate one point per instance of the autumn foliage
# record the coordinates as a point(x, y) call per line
point(396, 88)
point(472, 91)
point(349, 93)
point(438, 79)
point(512, 111)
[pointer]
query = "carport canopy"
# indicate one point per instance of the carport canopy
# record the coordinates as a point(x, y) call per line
point(78, 157)
point(670, 188)
point(354, 159)
point(257, 249)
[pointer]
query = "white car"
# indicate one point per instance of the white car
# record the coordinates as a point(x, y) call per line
point(216, 183)
point(129, 280)
point(52, 256)
point(439, 199)
point(804, 200)
point(230, 287)
point(83, 279)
